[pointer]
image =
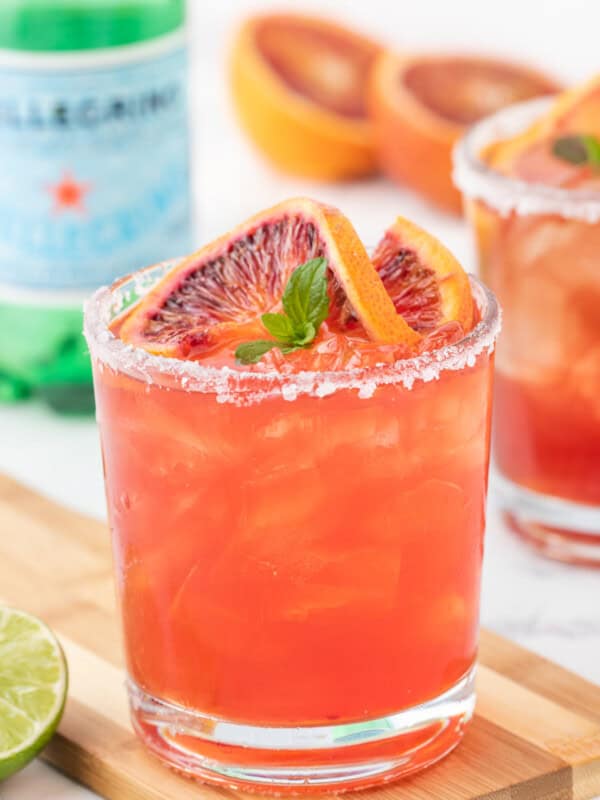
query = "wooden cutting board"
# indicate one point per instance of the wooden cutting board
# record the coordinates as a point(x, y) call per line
point(536, 733)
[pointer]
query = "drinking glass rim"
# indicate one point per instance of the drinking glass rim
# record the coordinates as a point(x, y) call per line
point(244, 387)
point(478, 180)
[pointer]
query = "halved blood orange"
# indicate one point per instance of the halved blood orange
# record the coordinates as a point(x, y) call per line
point(421, 105)
point(214, 299)
point(299, 86)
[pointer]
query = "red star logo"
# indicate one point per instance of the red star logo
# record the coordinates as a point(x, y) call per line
point(68, 194)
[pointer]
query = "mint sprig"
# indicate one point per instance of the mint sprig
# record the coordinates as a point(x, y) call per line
point(578, 150)
point(305, 304)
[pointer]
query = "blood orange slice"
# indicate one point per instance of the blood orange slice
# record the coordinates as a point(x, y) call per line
point(530, 155)
point(426, 283)
point(428, 288)
point(299, 86)
point(421, 105)
point(214, 299)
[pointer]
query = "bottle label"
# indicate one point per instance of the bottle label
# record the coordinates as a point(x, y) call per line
point(94, 172)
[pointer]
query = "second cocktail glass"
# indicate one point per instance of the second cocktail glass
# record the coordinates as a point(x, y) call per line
point(538, 249)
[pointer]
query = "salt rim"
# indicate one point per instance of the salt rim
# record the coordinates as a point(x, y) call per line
point(245, 388)
point(479, 181)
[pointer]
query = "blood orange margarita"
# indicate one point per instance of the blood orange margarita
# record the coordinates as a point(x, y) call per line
point(537, 227)
point(298, 550)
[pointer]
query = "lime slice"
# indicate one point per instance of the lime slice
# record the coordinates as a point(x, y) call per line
point(33, 688)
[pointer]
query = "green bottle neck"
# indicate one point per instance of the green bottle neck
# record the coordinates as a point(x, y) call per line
point(67, 25)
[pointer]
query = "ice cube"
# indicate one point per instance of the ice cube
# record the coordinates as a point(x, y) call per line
point(543, 330)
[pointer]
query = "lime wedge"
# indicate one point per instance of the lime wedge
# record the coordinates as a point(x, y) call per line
point(33, 688)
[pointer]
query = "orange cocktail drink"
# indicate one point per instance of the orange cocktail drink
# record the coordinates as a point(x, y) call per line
point(298, 551)
point(536, 218)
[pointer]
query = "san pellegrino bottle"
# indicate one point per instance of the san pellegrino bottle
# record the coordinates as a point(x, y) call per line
point(94, 173)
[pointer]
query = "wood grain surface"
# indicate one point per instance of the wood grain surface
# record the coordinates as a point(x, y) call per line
point(536, 732)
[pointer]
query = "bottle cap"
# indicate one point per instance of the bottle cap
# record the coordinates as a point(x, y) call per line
point(50, 25)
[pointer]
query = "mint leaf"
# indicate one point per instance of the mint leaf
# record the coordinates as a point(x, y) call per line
point(578, 150)
point(305, 298)
point(306, 305)
point(278, 326)
point(319, 297)
point(252, 352)
point(304, 334)
point(571, 149)
point(289, 348)
point(592, 145)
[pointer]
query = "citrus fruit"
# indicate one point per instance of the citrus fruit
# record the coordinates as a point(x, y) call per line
point(298, 85)
point(426, 283)
point(33, 688)
point(420, 105)
point(215, 299)
point(530, 155)
point(427, 286)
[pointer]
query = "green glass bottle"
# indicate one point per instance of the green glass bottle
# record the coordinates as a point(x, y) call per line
point(94, 175)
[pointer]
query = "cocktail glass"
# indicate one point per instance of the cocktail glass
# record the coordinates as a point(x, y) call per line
point(539, 250)
point(297, 557)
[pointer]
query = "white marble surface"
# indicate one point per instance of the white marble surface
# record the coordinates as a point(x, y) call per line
point(551, 608)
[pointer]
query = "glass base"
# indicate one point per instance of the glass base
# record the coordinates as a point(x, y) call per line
point(559, 529)
point(332, 758)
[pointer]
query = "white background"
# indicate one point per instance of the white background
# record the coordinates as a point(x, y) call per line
point(549, 607)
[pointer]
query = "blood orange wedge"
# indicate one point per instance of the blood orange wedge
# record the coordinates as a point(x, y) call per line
point(214, 300)
point(421, 105)
point(428, 288)
point(531, 155)
point(426, 283)
point(299, 85)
